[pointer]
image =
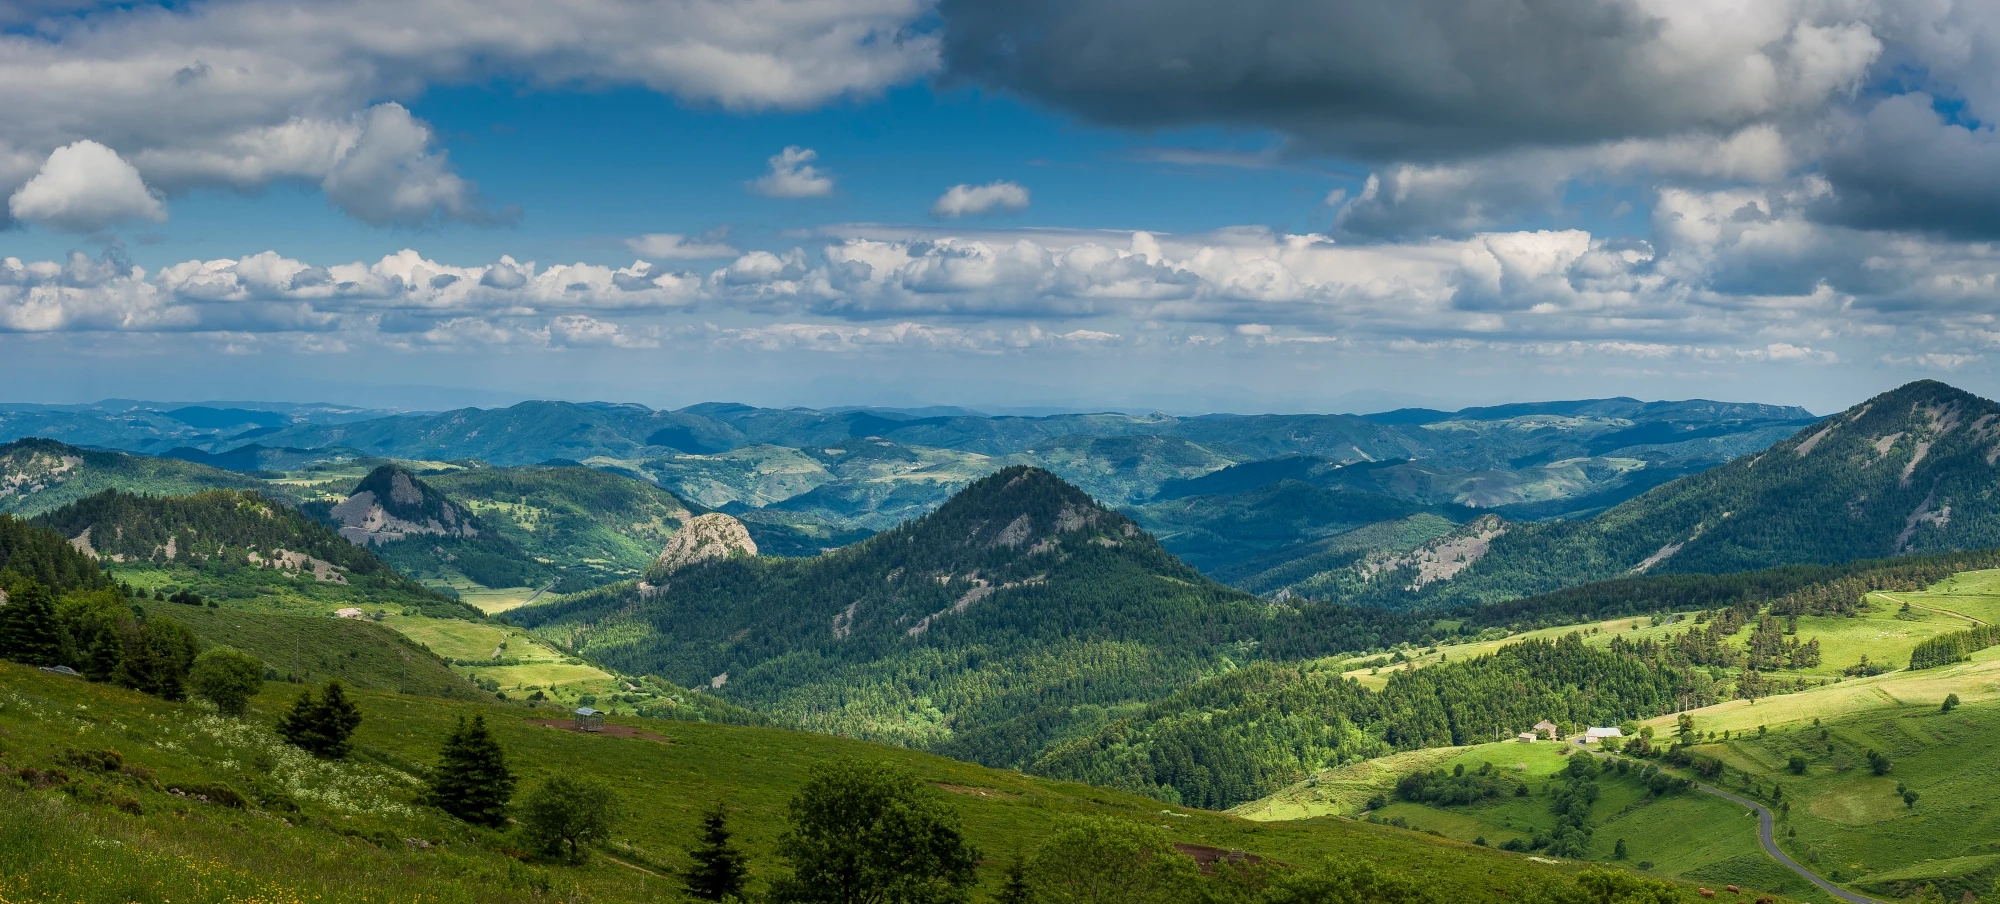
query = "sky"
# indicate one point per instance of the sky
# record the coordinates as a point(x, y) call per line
point(1261, 205)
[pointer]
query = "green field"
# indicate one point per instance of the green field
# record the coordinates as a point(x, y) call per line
point(312, 649)
point(1687, 836)
point(490, 600)
point(354, 831)
point(525, 663)
point(1851, 820)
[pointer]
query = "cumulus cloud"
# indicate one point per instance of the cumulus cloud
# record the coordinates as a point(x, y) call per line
point(84, 187)
point(792, 175)
point(246, 92)
point(1727, 276)
point(673, 246)
point(967, 200)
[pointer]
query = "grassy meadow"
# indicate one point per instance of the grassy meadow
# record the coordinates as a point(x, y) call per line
point(1852, 822)
point(1688, 836)
point(162, 828)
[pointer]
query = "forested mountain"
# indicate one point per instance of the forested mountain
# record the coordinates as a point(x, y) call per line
point(230, 542)
point(1239, 736)
point(1020, 599)
point(588, 526)
point(425, 534)
point(1219, 534)
point(1908, 471)
point(43, 556)
point(40, 475)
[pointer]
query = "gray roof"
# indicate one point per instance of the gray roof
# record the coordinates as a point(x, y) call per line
point(586, 711)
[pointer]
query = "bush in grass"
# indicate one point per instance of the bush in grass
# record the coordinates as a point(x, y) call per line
point(227, 678)
point(863, 832)
point(564, 814)
point(1105, 860)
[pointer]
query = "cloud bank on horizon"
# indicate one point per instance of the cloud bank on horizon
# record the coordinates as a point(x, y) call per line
point(1686, 193)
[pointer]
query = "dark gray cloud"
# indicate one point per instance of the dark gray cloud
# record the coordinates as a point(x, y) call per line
point(1903, 166)
point(1405, 80)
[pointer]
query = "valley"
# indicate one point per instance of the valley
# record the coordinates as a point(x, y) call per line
point(1301, 642)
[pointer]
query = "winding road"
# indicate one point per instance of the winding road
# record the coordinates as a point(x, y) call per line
point(1766, 835)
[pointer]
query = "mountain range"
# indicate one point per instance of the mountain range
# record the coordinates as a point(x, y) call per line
point(805, 480)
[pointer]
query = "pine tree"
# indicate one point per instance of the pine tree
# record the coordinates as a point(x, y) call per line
point(471, 780)
point(1015, 889)
point(718, 869)
point(28, 630)
point(1618, 851)
point(321, 727)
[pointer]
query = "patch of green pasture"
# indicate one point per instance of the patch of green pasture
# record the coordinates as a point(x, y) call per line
point(1854, 821)
point(1975, 681)
point(1594, 634)
point(531, 664)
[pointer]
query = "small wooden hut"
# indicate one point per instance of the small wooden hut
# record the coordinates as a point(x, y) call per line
point(588, 719)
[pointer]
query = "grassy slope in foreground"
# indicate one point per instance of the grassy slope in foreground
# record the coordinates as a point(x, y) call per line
point(359, 835)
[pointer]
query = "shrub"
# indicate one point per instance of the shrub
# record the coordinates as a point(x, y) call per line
point(565, 813)
point(227, 678)
point(864, 832)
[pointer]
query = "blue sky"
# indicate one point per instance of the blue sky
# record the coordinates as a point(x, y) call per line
point(1284, 205)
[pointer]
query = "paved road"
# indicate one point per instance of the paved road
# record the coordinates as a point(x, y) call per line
point(1766, 823)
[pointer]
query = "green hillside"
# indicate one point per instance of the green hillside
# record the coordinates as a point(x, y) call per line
point(1022, 598)
point(1277, 522)
point(1673, 832)
point(40, 475)
point(589, 527)
point(115, 797)
point(1907, 471)
point(239, 547)
point(360, 653)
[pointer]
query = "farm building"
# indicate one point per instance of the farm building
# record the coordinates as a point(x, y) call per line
point(1594, 735)
point(588, 719)
point(349, 612)
point(1527, 737)
point(1546, 729)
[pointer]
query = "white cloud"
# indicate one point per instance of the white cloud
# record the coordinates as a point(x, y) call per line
point(84, 187)
point(245, 92)
point(792, 175)
point(966, 200)
point(673, 246)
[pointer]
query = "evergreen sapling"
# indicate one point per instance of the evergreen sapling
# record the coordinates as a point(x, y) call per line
point(719, 868)
point(471, 780)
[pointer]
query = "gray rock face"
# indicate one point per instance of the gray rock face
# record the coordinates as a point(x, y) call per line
point(711, 536)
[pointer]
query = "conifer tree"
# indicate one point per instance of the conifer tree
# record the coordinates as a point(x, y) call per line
point(28, 631)
point(321, 727)
point(718, 870)
point(1015, 888)
point(471, 780)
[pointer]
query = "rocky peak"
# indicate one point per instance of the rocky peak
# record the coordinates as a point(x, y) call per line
point(391, 504)
point(705, 537)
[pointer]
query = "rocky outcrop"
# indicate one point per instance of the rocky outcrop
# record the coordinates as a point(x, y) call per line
point(391, 504)
point(705, 537)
